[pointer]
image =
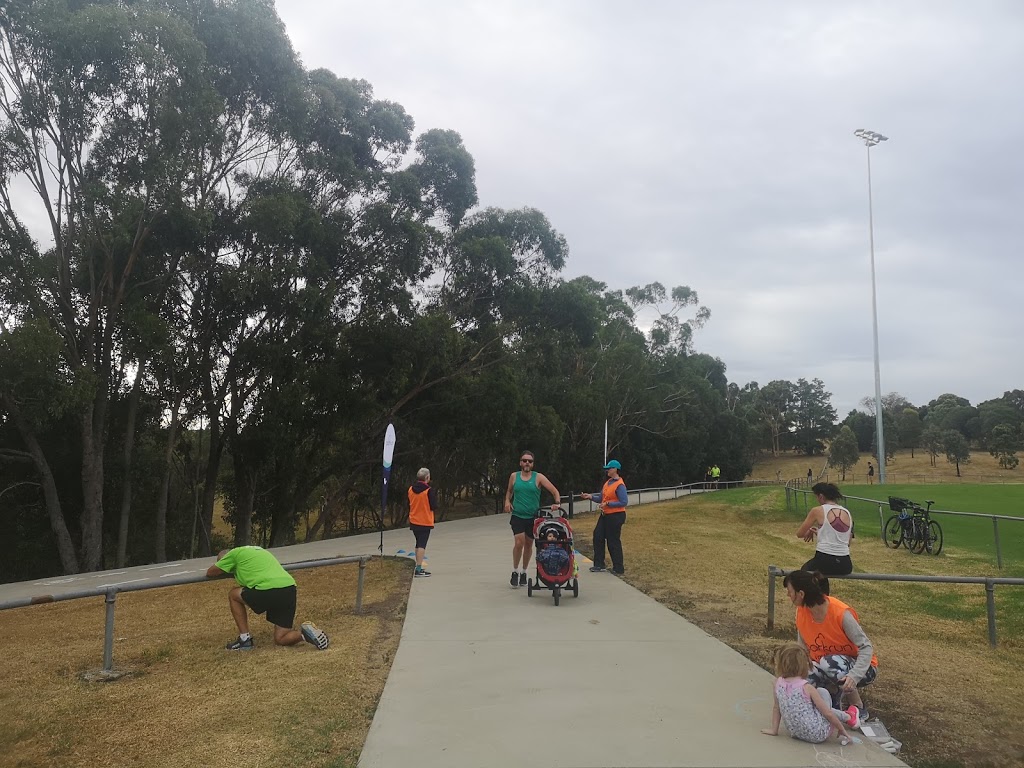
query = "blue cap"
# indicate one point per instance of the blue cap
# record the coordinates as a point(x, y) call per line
point(613, 464)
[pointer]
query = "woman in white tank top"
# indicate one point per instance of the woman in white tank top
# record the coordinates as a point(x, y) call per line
point(832, 525)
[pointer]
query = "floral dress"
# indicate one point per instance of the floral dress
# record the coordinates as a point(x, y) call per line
point(801, 718)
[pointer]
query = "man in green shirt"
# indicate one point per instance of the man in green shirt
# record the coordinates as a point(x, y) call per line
point(522, 502)
point(265, 587)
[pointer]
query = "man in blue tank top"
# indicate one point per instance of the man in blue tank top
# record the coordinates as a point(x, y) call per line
point(522, 501)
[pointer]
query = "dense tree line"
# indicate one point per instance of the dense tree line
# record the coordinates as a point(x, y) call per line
point(223, 275)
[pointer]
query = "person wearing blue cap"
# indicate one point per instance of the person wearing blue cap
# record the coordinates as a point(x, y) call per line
point(609, 523)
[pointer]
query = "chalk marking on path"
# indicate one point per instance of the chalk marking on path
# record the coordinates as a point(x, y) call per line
point(51, 582)
point(176, 573)
point(162, 565)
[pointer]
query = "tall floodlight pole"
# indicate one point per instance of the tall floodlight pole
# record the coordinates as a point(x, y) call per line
point(870, 139)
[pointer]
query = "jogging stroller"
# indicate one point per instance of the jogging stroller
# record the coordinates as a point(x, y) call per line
point(555, 557)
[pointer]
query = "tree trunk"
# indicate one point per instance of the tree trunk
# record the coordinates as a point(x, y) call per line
point(126, 467)
point(65, 547)
point(165, 485)
point(210, 487)
point(245, 482)
point(92, 483)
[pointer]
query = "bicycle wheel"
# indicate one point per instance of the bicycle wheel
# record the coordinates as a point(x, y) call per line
point(917, 544)
point(934, 543)
point(893, 534)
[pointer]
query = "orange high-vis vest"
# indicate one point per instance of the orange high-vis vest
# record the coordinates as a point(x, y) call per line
point(827, 638)
point(420, 512)
point(609, 493)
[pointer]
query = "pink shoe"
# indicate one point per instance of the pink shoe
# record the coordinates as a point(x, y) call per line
point(854, 713)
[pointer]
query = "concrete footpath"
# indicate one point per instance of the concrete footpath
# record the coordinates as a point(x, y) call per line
point(486, 676)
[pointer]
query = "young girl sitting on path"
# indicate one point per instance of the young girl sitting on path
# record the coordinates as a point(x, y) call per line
point(805, 710)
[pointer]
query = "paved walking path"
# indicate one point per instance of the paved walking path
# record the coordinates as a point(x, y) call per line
point(486, 677)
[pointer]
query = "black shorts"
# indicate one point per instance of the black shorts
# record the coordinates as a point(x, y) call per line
point(278, 604)
point(422, 533)
point(521, 524)
point(829, 565)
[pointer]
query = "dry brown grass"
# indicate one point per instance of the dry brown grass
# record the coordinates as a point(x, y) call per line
point(902, 468)
point(187, 701)
point(940, 690)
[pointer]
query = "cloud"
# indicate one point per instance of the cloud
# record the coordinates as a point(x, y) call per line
point(711, 144)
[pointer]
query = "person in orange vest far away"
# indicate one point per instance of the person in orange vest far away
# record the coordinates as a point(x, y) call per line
point(608, 530)
point(422, 506)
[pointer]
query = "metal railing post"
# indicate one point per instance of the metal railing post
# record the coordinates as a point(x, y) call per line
point(999, 549)
point(359, 585)
point(990, 601)
point(771, 598)
point(108, 634)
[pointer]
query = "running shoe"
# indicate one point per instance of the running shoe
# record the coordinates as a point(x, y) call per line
point(315, 636)
point(420, 572)
point(238, 644)
point(514, 581)
point(854, 713)
point(597, 569)
point(522, 579)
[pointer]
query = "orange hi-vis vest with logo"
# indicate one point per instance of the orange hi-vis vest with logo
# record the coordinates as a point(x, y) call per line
point(420, 512)
point(610, 493)
point(827, 638)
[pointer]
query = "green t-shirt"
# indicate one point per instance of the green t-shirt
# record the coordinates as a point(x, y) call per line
point(525, 496)
point(255, 568)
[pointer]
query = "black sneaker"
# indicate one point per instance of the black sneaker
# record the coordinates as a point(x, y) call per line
point(420, 572)
point(238, 644)
point(514, 581)
point(522, 579)
point(597, 569)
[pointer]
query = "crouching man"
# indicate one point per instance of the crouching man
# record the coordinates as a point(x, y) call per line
point(265, 587)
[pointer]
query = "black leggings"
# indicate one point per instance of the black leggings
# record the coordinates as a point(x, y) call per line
point(829, 565)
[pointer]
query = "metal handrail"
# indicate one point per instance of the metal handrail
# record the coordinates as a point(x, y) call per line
point(990, 583)
point(110, 594)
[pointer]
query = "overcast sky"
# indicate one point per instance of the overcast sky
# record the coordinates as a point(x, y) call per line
point(710, 144)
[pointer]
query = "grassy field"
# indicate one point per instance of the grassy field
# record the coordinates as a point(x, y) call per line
point(706, 557)
point(187, 701)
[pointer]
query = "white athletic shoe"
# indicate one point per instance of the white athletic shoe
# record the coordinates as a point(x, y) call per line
point(315, 636)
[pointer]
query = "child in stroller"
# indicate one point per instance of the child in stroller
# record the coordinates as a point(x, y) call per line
point(556, 563)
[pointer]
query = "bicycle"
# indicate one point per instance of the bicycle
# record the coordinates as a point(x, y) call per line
point(912, 527)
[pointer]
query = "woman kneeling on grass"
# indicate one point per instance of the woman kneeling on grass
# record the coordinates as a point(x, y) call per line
point(806, 711)
point(841, 654)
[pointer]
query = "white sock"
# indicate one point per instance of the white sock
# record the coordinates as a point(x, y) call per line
point(244, 636)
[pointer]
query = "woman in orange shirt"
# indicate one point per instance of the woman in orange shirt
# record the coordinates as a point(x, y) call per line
point(842, 656)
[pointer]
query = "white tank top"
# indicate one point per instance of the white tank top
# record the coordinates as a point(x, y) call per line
point(831, 541)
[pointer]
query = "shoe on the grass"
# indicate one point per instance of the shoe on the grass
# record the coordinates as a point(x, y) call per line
point(420, 572)
point(862, 715)
point(238, 644)
point(522, 579)
point(315, 636)
point(514, 581)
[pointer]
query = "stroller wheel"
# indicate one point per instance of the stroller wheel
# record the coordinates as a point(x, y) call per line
point(575, 587)
point(529, 587)
point(558, 594)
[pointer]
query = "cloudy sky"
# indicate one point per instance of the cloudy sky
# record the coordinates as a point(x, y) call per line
point(710, 144)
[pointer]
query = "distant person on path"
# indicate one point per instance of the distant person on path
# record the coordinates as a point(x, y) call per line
point(805, 710)
point(842, 656)
point(522, 502)
point(422, 506)
point(832, 524)
point(707, 479)
point(716, 474)
point(614, 500)
point(871, 474)
point(265, 587)
point(810, 477)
